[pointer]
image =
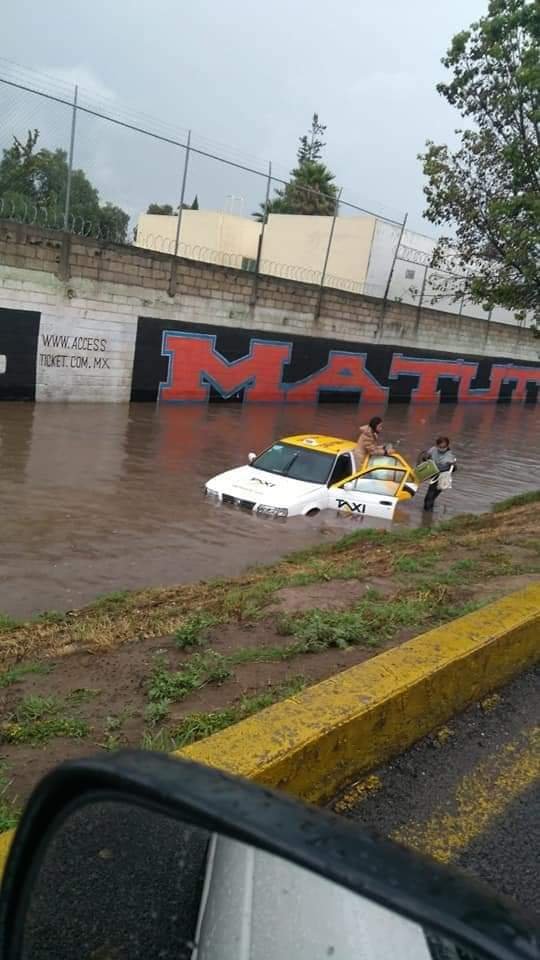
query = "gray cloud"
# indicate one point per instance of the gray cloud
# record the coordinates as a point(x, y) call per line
point(248, 76)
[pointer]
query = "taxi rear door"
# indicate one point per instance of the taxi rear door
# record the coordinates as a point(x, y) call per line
point(363, 495)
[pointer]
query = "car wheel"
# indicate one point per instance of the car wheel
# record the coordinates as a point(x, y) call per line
point(313, 512)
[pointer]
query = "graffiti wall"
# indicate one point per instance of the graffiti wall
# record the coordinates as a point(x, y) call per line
point(61, 357)
point(108, 358)
point(176, 364)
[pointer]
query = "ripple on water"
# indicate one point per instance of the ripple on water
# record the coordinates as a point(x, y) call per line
point(96, 498)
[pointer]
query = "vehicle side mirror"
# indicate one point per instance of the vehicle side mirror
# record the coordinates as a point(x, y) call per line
point(140, 855)
point(252, 457)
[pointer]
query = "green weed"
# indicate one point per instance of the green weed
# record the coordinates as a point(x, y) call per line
point(455, 575)
point(198, 726)
point(9, 811)
point(257, 655)
point(22, 670)
point(111, 741)
point(520, 500)
point(157, 711)
point(369, 623)
point(194, 630)
point(8, 623)
point(249, 603)
point(51, 616)
point(200, 669)
point(451, 611)
point(81, 695)
point(112, 738)
point(415, 564)
point(36, 720)
point(109, 602)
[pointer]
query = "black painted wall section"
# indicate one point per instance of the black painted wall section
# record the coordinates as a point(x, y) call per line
point(308, 356)
point(19, 331)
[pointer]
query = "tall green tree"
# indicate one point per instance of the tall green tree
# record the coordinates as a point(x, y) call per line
point(311, 189)
point(311, 144)
point(33, 186)
point(488, 189)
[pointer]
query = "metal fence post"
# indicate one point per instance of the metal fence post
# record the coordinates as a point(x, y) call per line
point(422, 291)
point(261, 236)
point(392, 268)
point(327, 255)
point(70, 160)
point(488, 321)
point(172, 278)
point(460, 312)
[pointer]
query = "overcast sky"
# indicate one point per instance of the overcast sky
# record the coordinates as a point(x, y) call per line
point(248, 75)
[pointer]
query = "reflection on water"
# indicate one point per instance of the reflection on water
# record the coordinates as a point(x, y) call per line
point(105, 497)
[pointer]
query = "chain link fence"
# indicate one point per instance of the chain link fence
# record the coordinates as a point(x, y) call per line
point(79, 161)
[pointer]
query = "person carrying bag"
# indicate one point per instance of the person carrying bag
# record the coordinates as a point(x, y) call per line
point(445, 461)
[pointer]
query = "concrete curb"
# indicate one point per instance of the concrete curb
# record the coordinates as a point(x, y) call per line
point(314, 743)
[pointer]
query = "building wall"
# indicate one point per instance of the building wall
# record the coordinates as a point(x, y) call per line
point(203, 233)
point(81, 320)
point(294, 246)
point(408, 276)
point(303, 242)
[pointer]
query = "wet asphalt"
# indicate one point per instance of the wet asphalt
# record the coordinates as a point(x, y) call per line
point(469, 794)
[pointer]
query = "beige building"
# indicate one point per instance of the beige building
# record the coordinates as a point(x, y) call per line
point(293, 246)
point(361, 255)
point(205, 235)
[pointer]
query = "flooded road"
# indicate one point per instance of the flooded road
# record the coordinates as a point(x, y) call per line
point(96, 498)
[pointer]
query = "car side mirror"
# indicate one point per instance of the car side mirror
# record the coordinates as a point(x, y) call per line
point(141, 855)
point(252, 457)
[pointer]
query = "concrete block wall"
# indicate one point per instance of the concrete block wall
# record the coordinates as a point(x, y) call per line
point(90, 296)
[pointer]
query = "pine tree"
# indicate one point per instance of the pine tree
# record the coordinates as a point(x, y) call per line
point(311, 189)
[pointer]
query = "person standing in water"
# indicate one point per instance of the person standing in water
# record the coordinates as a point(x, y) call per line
point(369, 440)
point(444, 460)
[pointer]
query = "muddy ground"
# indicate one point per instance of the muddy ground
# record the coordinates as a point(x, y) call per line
point(163, 668)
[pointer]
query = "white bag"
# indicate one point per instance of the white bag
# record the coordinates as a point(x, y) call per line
point(445, 480)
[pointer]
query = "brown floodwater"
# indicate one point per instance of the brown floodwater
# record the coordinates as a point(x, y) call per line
point(97, 498)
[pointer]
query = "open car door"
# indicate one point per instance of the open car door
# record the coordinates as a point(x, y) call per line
point(367, 494)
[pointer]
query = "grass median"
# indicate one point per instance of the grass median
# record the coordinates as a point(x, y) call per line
point(163, 668)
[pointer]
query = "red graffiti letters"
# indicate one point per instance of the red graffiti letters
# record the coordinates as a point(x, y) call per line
point(521, 377)
point(196, 366)
point(428, 373)
point(345, 372)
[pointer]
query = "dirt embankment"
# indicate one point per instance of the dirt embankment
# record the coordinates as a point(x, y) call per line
point(163, 668)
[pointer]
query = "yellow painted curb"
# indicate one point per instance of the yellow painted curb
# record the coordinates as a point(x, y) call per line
point(313, 743)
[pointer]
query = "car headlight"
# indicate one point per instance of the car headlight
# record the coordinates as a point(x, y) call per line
point(212, 493)
point(268, 511)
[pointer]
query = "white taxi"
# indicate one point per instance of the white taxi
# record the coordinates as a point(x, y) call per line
point(302, 475)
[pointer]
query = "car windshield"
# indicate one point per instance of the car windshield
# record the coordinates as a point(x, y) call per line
point(296, 463)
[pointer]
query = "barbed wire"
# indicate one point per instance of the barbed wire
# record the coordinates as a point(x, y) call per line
point(286, 271)
point(24, 79)
point(51, 213)
point(41, 215)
